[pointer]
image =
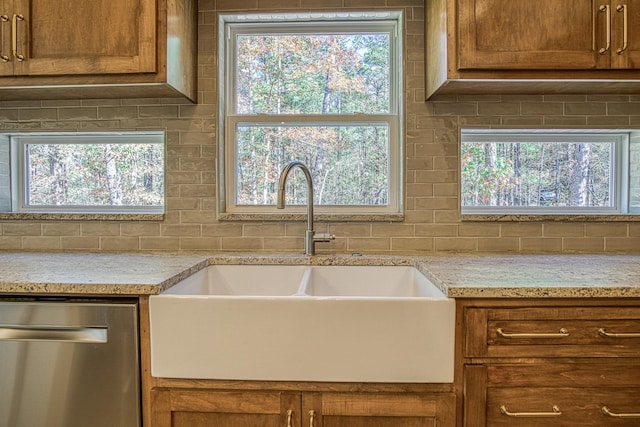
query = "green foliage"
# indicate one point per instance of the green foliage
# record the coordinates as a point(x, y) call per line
point(313, 74)
point(536, 174)
point(96, 174)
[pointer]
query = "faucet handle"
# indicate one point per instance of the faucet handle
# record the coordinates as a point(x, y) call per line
point(323, 237)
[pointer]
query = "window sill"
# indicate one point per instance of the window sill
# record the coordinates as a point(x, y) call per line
point(79, 217)
point(550, 218)
point(317, 217)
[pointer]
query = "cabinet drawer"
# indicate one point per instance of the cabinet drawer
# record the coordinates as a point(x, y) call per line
point(553, 332)
point(537, 387)
point(587, 407)
point(571, 375)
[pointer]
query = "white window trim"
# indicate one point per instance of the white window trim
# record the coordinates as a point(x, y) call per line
point(228, 120)
point(19, 141)
point(619, 179)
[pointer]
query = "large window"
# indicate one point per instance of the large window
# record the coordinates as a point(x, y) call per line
point(549, 172)
point(83, 173)
point(322, 89)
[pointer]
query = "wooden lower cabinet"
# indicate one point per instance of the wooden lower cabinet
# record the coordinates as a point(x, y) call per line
point(174, 407)
point(570, 363)
point(567, 394)
point(200, 408)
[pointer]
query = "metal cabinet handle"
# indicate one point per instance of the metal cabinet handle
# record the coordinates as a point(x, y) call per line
point(289, 417)
point(607, 412)
point(555, 413)
point(560, 334)
point(604, 8)
point(312, 417)
point(604, 333)
point(14, 36)
point(3, 57)
point(52, 333)
point(622, 8)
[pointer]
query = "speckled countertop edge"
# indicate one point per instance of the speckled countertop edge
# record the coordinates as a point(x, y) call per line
point(534, 276)
point(93, 274)
point(457, 276)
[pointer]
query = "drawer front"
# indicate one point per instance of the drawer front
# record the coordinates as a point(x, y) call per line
point(526, 394)
point(567, 407)
point(553, 332)
point(598, 374)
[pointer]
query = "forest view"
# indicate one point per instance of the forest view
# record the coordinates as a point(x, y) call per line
point(545, 174)
point(95, 174)
point(322, 99)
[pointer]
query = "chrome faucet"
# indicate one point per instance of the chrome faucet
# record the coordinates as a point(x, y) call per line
point(310, 237)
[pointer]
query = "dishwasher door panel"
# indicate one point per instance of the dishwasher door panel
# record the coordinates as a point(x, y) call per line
point(69, 364)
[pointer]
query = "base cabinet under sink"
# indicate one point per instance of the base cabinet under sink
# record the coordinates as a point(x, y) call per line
point(175, 407)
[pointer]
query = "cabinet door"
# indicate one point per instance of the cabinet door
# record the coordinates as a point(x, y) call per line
point(378, 410)
point(6, 64)
point(208, 408)
point(625, 28)
point(85, 37)
point(532, 34)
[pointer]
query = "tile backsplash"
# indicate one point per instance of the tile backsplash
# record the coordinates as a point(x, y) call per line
point(432, 221)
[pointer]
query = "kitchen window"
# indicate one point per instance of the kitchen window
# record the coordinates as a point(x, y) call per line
point(321, 88)
point(82, 173)
point(550, 172)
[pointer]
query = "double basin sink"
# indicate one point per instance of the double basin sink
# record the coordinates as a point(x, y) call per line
point(304, 323)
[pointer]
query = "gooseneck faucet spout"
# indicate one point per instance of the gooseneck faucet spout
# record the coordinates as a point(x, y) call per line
point(310, 235)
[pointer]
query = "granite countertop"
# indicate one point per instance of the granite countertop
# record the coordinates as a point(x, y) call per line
point(458, 276)
point(93, 274)
point(534, 276)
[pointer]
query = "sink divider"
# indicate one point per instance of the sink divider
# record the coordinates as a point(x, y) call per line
point(304, 283)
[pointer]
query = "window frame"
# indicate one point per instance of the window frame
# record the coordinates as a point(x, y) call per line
point(19, 168)
point(283, 23)
point(618, 179)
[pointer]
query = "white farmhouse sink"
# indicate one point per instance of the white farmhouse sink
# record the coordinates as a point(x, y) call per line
point(241, 280)
point(361, 281)
point(304, 323)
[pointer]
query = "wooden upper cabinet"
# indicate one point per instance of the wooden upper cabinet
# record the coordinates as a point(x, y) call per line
point(532, 46)
point(625, 34)
point(80, 37)
point(531, 34)
point(52, 49)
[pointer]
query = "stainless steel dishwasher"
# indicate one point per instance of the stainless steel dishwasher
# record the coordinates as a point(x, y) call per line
point(68, 362)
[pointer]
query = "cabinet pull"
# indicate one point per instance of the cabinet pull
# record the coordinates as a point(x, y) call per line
point(607, 412)
point(625, 26)
point(555, 413)
point(3, 57)
point(560, 334)
point(604, 8)
point(312, 417)
point(289, 417)
point(14, 36)
point(604, 333)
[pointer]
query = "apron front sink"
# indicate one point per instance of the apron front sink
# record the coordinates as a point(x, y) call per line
point(304, 323)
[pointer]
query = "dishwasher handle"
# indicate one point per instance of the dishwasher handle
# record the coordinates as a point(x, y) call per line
point(53, 333)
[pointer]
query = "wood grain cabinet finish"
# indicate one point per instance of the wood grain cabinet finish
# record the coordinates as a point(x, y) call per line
point(528, 34)
point(553, 332)
point(566, 365)
point(43, 37)
point(213, 408)
point(74, 48)
point(549, 34)
point(532, 46)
